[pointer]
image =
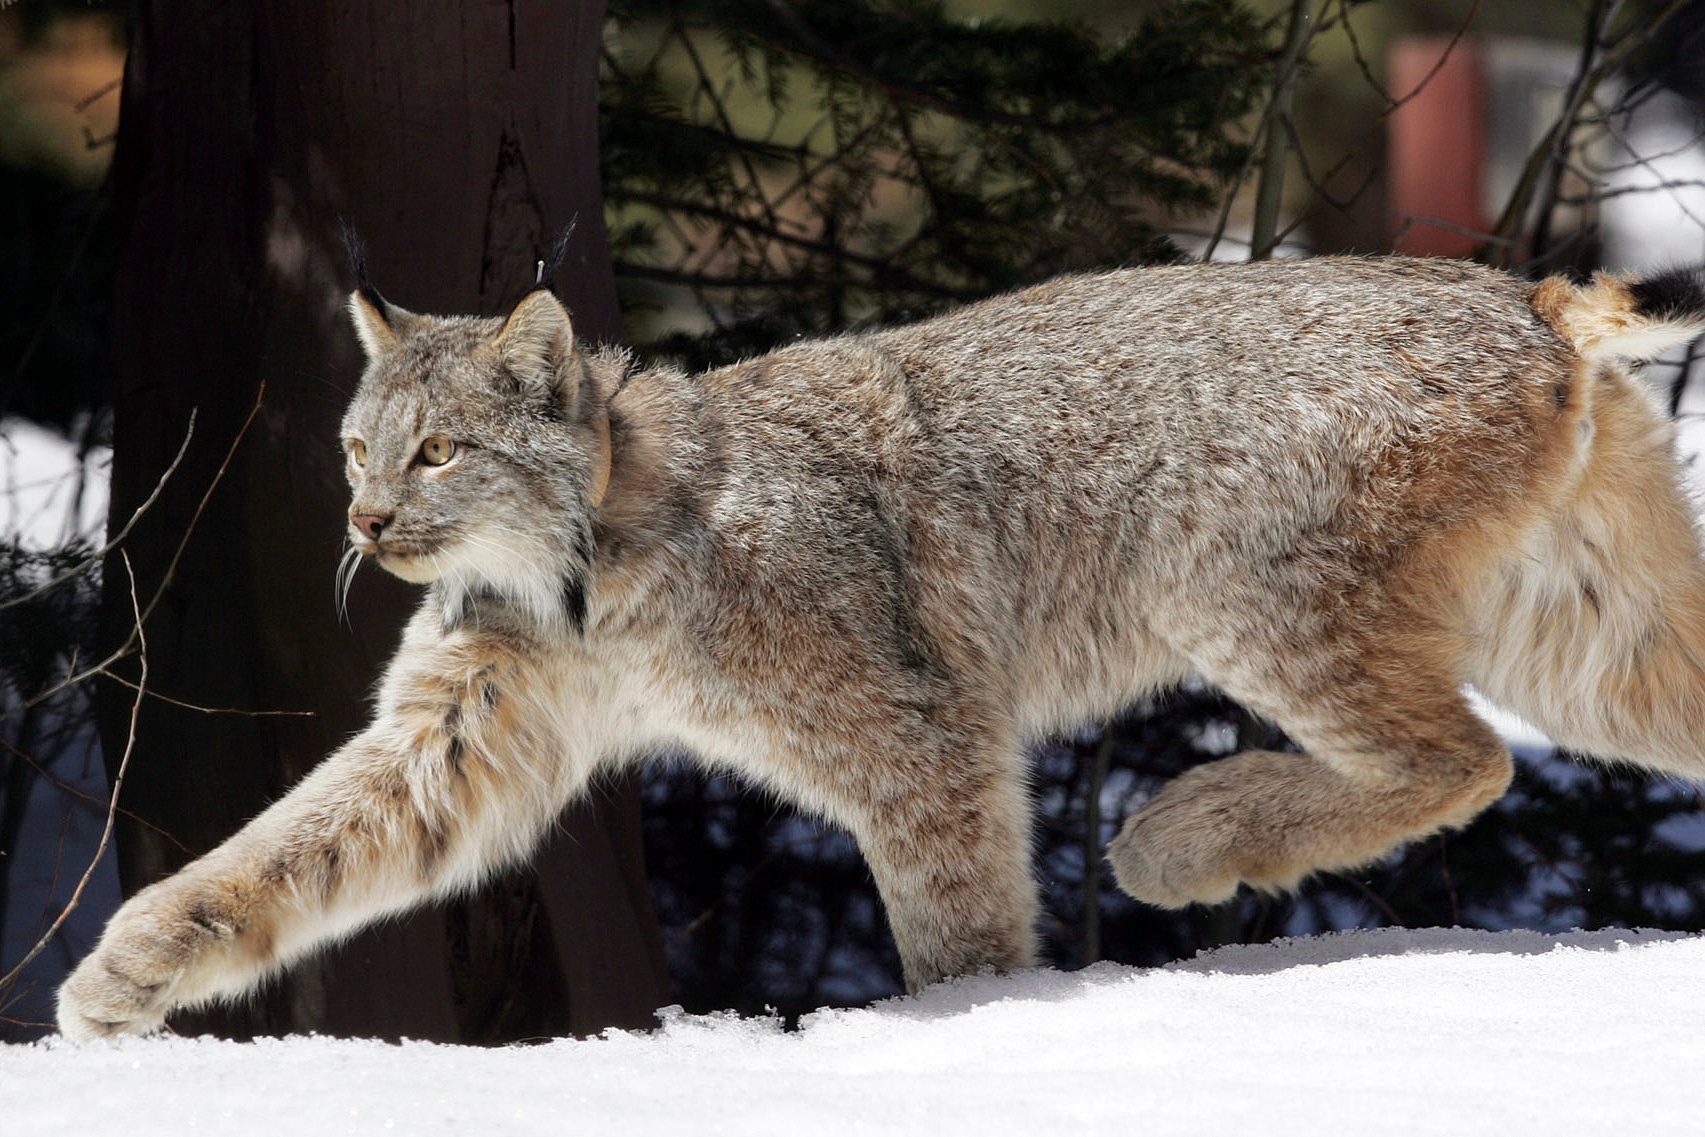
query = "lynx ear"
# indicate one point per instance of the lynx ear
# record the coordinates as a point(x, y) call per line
point(378, 325)
point(537, 342)
point(537, 339)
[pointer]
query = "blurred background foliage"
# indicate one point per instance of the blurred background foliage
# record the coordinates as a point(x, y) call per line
point(784, 168)
point(787, 169)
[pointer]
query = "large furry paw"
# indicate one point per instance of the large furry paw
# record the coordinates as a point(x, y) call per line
point(145, 965)
point(1162, 858)
point(1204, 834)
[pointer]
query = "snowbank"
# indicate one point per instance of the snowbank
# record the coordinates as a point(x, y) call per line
point(1394, 1031)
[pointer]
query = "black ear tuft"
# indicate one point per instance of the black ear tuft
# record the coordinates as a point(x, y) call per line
point(358, 262)
point(553, 258)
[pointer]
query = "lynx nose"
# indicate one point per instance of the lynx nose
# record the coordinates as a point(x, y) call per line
point(370, 524)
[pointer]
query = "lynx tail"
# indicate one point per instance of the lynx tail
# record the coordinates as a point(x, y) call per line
point(1618, 316)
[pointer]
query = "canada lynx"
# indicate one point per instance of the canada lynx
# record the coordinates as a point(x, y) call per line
point(867, 571)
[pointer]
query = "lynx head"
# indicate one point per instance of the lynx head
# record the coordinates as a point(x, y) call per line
point(477, 450)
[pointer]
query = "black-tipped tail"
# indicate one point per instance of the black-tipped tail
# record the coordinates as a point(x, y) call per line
point(1676, 295)
point(1616, 316)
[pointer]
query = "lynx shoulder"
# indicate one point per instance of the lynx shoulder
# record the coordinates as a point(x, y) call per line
point(868, 571)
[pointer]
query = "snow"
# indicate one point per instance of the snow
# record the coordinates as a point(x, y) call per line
point(49, 493)
point(1653, 212)
point(1395, 1031)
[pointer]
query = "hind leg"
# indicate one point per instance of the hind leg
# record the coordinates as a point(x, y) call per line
point(1392, 753)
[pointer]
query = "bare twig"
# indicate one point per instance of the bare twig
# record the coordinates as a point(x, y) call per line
point(67, 788)
point(123, 682)
point(1269, 114)
point(1320, 183)
point(1450, 885)
point(727, 125)
point(1270, 192)
point(1599, 57)
point(1379, 902)
point(27, 356)
point(97, 557)
point(97, 95)
point(76, 897)
point(1450, 226)
point(1646, 164)
point(132, 640)
point(1092, 846)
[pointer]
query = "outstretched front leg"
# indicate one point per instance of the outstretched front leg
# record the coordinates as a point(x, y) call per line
point(463, 769)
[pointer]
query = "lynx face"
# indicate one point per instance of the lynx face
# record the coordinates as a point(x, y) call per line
point(475, 453)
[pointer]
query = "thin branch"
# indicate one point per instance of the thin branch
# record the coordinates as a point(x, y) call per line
point(1270, 192)
point(134, 638)
point(95, 96)
point(96, 558)
point(1450, 885)
point(123, 682)
point(1450, 226)
point(1646, 164)
point(811, 46)
point(76, 897)
point(1361, 58)
point(1626, 191)
point(1379, 902)
point(1581, 90)
point(65, 787)
point(27, 356)
point(1319, 184)
point(1092, 846)
point(892, 279)
point(727, 126)
point(762, 229)
point(201, 507)
point(1587, 79)
point(1268, 114)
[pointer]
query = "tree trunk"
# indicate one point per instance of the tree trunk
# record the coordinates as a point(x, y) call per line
point(458, 137)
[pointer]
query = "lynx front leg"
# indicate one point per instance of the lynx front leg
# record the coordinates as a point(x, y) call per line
point(1386, 762)
point(462, 770)
point(950, 851)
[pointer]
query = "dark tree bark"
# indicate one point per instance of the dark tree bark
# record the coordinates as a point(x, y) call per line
point(457, 136)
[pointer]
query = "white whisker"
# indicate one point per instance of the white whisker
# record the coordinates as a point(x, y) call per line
point(346, 569)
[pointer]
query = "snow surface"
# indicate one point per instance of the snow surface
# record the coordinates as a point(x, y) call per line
point(1394, 1031)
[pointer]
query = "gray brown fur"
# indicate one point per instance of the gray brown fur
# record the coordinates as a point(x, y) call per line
point(866, 572)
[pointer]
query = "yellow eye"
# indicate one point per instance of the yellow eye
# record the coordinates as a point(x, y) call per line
point(437, 450)
point(358, 452)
